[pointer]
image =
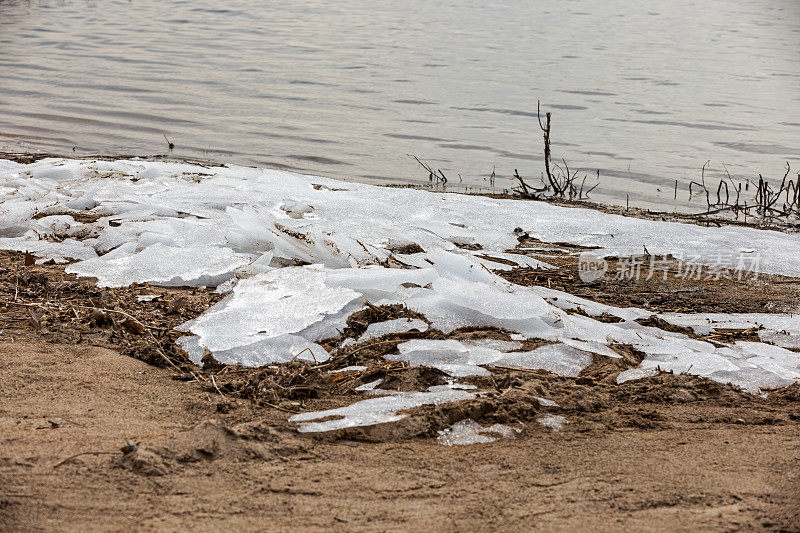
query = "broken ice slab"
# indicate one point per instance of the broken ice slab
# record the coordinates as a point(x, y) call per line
point(467, 431)
point(781, 328)
point(399, 325)
point(495, 344)
point(500, 260)
point(552, 422)
point(556, 358)
point(450, 356)
point(750, 365)
point(164, 265)
point(274, 350)
point(377, 410)
point(461, 359)
point(591, 347)
point(544, 402)
point(369, 386)
point(351, 368)
point(266, 306)
point(68, 248)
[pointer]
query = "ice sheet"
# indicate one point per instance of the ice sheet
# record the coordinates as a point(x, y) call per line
point(552, 422)
point(267, 306)
point(468, 431)
point(182, 224)
point(164, 265)
point(377, 410)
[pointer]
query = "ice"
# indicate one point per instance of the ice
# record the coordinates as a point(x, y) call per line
point(591, 347)
point(544, 402)
point(377, 410)
point(552, 422)
point(460, 359)
point(246, 230)
point(556, 358)
point(399, 325)
point(164, 265)
point(348, 369)
point(781, 330)
point(269, 305)
point(278, 349)
point(369, 386)
point(518, 260)
point(468, 431)
point(450, 356)
point(68, 248)
point(750, 365)
point(495, 344)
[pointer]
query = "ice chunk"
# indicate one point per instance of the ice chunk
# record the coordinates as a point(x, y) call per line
point(348, 369)
point(279, 349)
point(553, 422)
point(461, 359)
point(749, 365)
point(495, 344)
point(164, 265)
point(377, 410)
point(544, 402)
point(470, 432)
point(517, 260)
point(68, 248)
point(266, 306)
point(369, 386)
point(451, 356)
point(399, 325)
point(591, 347)
point(379, 280)
point(556, 358)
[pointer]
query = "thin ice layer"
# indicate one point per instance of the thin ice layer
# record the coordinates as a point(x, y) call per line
point(467, 431)
point(209, 219)
point(267, 306)
point(750, 365)
point(312, 219)
point(160, 264)
point(462, 359)
point(377, 410)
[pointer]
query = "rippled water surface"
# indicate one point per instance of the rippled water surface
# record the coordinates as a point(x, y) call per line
point(645, 91)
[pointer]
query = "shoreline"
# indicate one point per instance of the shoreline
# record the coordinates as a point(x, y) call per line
point(643, 213)
point(553, 401)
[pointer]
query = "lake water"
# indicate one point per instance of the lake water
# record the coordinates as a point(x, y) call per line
point(644, 91)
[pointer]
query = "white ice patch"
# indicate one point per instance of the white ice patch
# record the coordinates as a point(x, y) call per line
point(245, 228)
point(556, 358)
point(468, 431)
point(552, 422)
point(780, 330)
point(460, 359)
point(267, 306)
point(163, 265)
point(377, 410)
point(544, 402)
point(351, 368)
point(400, 325)
point(750, 365)
point(369, 386)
